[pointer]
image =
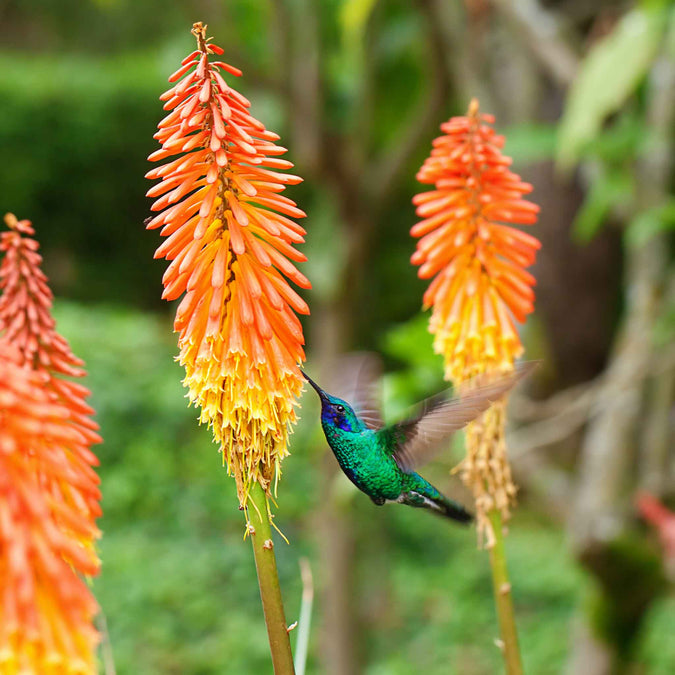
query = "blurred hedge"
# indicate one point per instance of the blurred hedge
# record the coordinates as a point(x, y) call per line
point(75, 135)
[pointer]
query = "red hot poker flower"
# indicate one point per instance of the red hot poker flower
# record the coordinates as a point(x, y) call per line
point(479, 284)
point(478, 263)
point(27, 324)
point(230, 238)
point(49, 496)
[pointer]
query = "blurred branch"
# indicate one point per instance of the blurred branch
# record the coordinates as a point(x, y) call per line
point(298, 63)
point(367, 94)
point(566, 415)
point(306, 83)
point(553, 421)
point(464, 35)
point(562, 415)
point(559, 416)
point(608, 456)
point(656, 168)
point(544, 33)
point(525, 409)
point(657, 436)
point(281, 34)
point(425, 117)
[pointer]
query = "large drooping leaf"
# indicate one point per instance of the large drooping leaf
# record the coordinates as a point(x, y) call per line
point(614, 67)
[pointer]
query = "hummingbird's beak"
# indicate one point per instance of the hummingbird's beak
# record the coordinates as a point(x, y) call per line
point(322, 394)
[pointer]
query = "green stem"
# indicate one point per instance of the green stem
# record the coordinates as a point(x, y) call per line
point(503, 599)
point(268, 580)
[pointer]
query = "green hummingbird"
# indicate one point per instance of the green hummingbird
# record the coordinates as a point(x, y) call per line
point(380, 460)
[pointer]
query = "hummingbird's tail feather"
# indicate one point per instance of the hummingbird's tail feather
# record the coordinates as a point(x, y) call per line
point(450, 509)
point(422, 494)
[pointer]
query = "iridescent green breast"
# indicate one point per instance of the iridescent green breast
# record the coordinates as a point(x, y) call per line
point(365, 462)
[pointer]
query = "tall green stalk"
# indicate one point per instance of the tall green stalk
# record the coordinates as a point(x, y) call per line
point(260, 532)
point(503, 599)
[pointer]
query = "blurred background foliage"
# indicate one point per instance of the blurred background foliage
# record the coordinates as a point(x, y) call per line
point(584, 93)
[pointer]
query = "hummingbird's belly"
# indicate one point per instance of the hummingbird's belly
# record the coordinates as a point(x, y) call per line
point(379, 478)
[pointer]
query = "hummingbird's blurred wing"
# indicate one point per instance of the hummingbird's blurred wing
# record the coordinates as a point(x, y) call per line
point(426, 433)
point(356, 378)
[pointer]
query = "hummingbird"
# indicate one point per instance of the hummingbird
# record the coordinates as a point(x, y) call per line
point(380, 460)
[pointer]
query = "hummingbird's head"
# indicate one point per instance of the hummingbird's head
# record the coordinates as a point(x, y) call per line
point(335, 412)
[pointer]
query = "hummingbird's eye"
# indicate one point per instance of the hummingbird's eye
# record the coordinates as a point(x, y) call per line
point(340, 408)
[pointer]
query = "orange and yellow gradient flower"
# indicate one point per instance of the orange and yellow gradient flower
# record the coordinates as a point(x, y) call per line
point(230, 240)
point(480, 285)
point(49, 495)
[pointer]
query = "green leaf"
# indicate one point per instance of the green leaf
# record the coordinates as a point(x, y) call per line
point(606, 191)
point(621, 140)
point(609, 74)
point(354, 17)
point(527, 143)
point(325, 249)
point(650, 222)
point(412, 344)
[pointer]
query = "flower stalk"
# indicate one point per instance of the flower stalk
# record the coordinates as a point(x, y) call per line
point(260, 531)
point(503, 598)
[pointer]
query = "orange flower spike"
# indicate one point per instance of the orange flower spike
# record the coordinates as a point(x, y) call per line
point(27, 324)
point(49, 496)
point(479, 284)
point(46, 608)
point(230, 240)
point(463, 226)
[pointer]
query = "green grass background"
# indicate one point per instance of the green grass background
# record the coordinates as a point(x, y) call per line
point(178, 585)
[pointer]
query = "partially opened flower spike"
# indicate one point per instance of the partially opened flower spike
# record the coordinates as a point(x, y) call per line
point(230, 238)
point(49, 495)
point(480, 287)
